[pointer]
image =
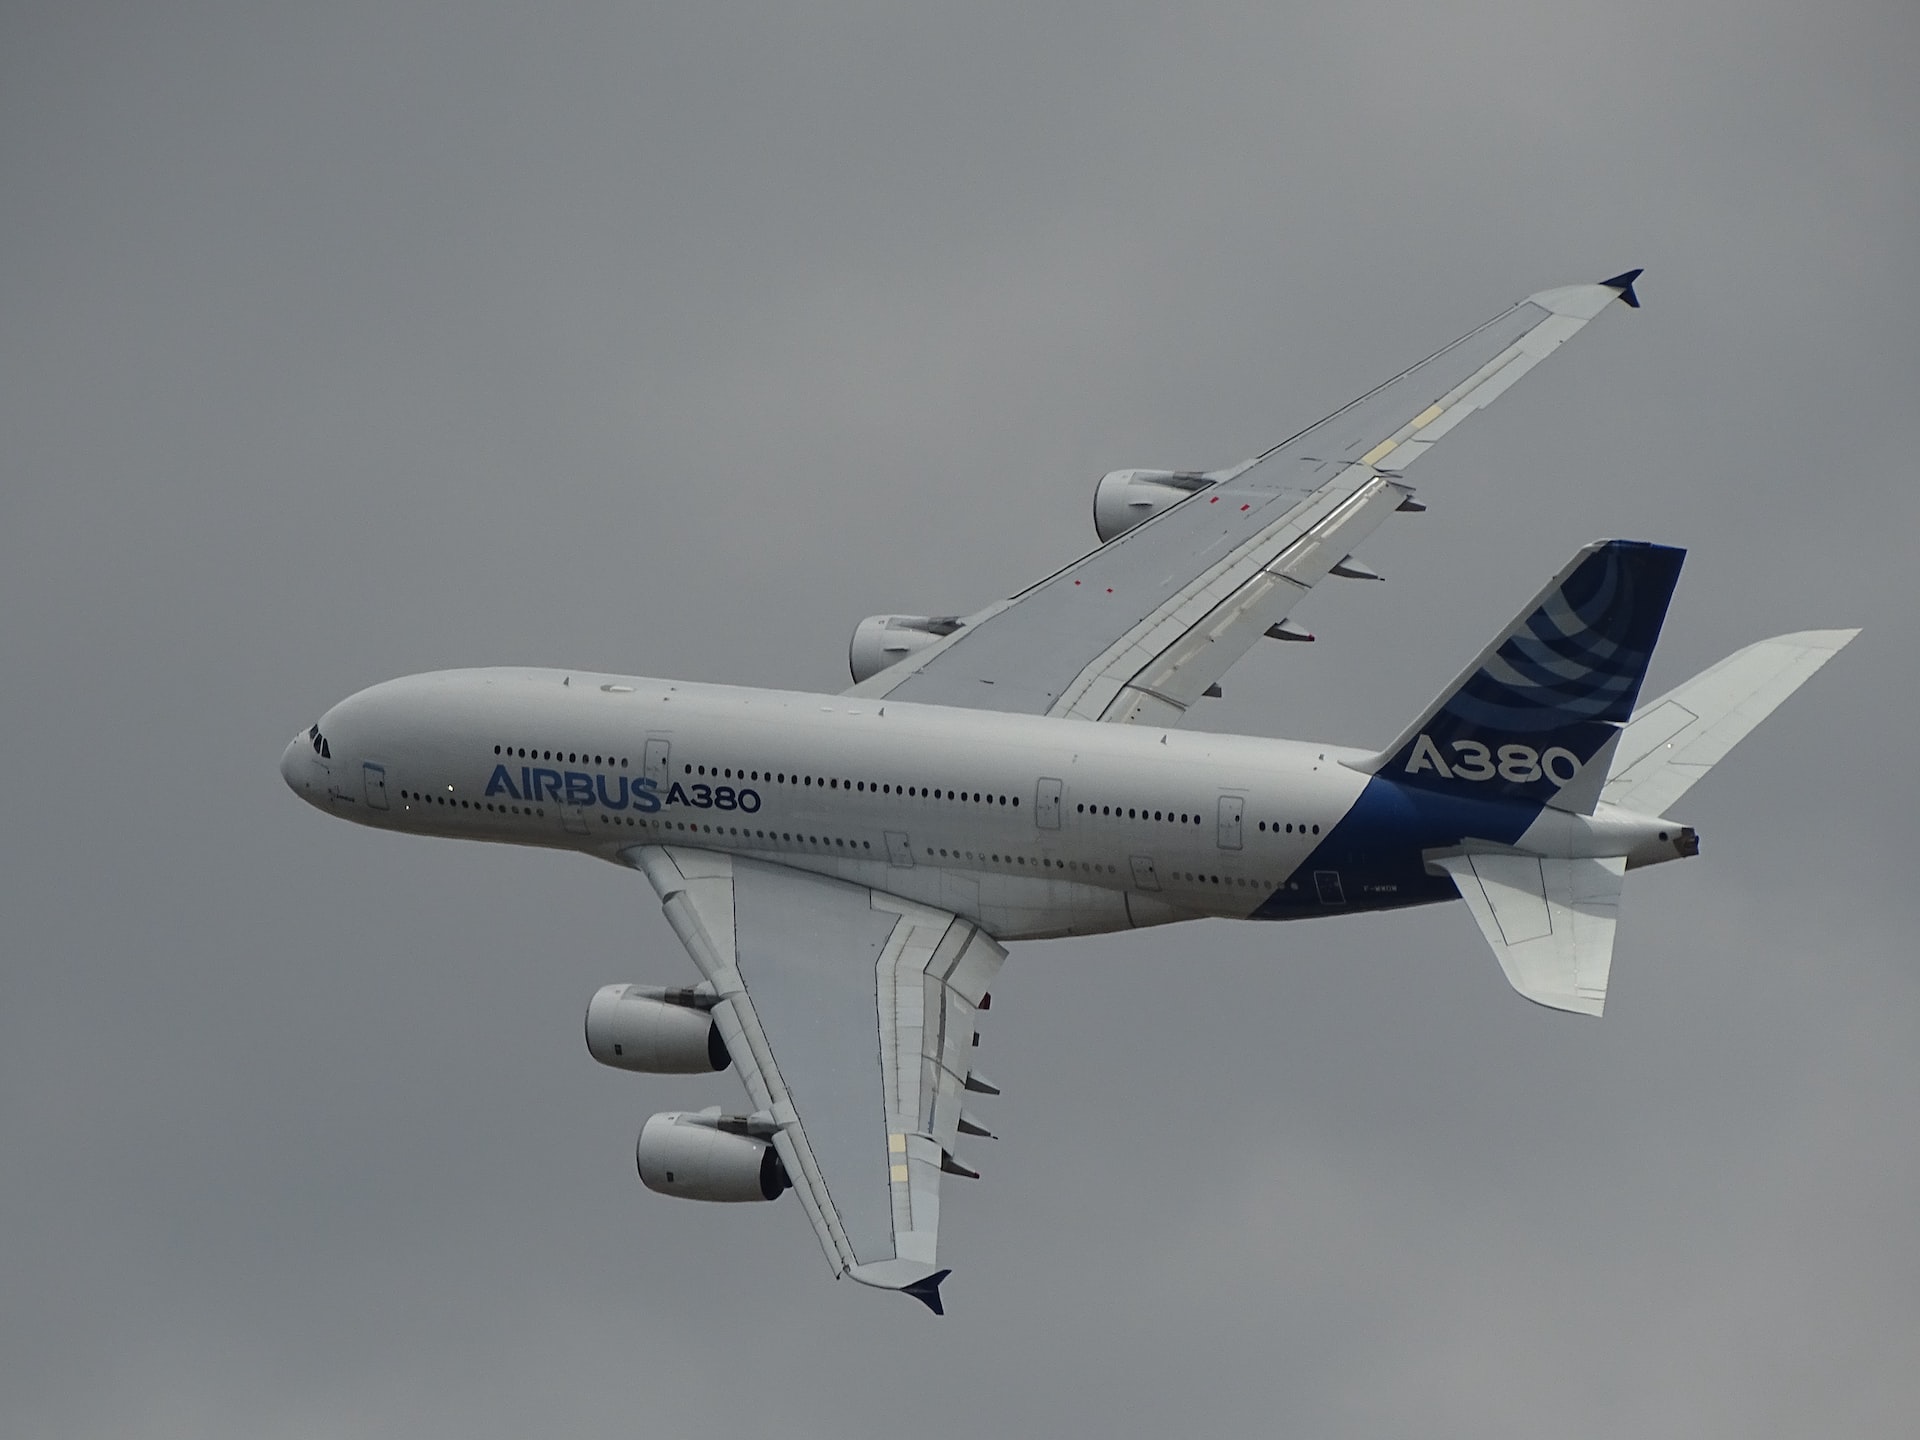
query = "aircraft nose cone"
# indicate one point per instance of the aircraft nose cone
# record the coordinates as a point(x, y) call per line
point(293, 765)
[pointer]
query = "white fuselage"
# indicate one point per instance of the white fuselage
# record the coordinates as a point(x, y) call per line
point(1029, 826)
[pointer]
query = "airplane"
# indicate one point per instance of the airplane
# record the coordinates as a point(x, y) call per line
point(846, 870)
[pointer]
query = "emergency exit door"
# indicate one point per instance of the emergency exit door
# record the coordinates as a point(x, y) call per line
point(1232, 808)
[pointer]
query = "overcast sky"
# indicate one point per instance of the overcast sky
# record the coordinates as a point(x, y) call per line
point(339, 341)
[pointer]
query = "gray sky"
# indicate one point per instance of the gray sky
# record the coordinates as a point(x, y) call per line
point(341, 341)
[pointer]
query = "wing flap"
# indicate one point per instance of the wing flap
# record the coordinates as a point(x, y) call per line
point(1205, 632)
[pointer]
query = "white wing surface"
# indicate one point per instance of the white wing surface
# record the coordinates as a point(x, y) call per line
point(1140, 629)
point(850, 1014)
point(1676, 739)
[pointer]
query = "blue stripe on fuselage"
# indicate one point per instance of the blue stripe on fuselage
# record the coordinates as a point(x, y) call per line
point(1374, 850)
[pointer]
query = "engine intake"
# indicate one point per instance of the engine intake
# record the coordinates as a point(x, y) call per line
point(1126, 498)
point(687, 1155)
point(883, 640)
point(655, 1031)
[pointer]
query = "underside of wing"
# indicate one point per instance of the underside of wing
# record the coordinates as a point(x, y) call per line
point(851, 1016)
point(1143, 627)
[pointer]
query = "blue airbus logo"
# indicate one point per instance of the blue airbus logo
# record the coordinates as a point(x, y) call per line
point(580, 787)
point(575, 787)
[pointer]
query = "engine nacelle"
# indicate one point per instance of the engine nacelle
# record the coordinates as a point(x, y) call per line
point(686, 1155)
point(883, 640)
point(1126, 498)
point(655, 1031)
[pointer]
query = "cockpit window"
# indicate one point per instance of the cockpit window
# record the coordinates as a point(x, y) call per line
point(319, 742)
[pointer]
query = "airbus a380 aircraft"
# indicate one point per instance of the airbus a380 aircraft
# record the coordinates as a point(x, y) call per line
point(844, 869)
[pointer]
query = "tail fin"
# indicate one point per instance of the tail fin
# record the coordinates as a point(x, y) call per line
point(1531, 717)
point(1679, 737)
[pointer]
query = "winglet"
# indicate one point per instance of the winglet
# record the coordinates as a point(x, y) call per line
point(1624, 284)
point(927, 1291)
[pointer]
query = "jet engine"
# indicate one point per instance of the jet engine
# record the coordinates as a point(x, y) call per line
point(883, 640)
point(655, 1030)
point(1126, 498)
point(691, 1156)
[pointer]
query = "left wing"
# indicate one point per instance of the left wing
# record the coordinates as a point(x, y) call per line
point(850, 1014)
point(1142, 627)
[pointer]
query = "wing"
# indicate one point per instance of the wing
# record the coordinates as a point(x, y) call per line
point(850, 1014)
point(1141, 628)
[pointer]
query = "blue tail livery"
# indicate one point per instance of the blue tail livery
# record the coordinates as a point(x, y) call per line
point(1552, 690)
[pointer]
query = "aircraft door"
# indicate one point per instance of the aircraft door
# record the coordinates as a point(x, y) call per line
point(1232, 808)
point(1046, 803)
point(659, 765)
point(1143, 876)
point(376, 780)
point(899, 849)
point(1327, 886)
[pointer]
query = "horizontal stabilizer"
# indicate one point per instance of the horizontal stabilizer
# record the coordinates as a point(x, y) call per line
point(1675, 740)
point(1549, 920)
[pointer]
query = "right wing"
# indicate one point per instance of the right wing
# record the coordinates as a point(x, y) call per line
point(1672, 742)
point(850, 1014)
point(1141, 628)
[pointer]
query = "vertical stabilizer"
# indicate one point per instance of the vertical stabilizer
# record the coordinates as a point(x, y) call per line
point(1553, 689)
